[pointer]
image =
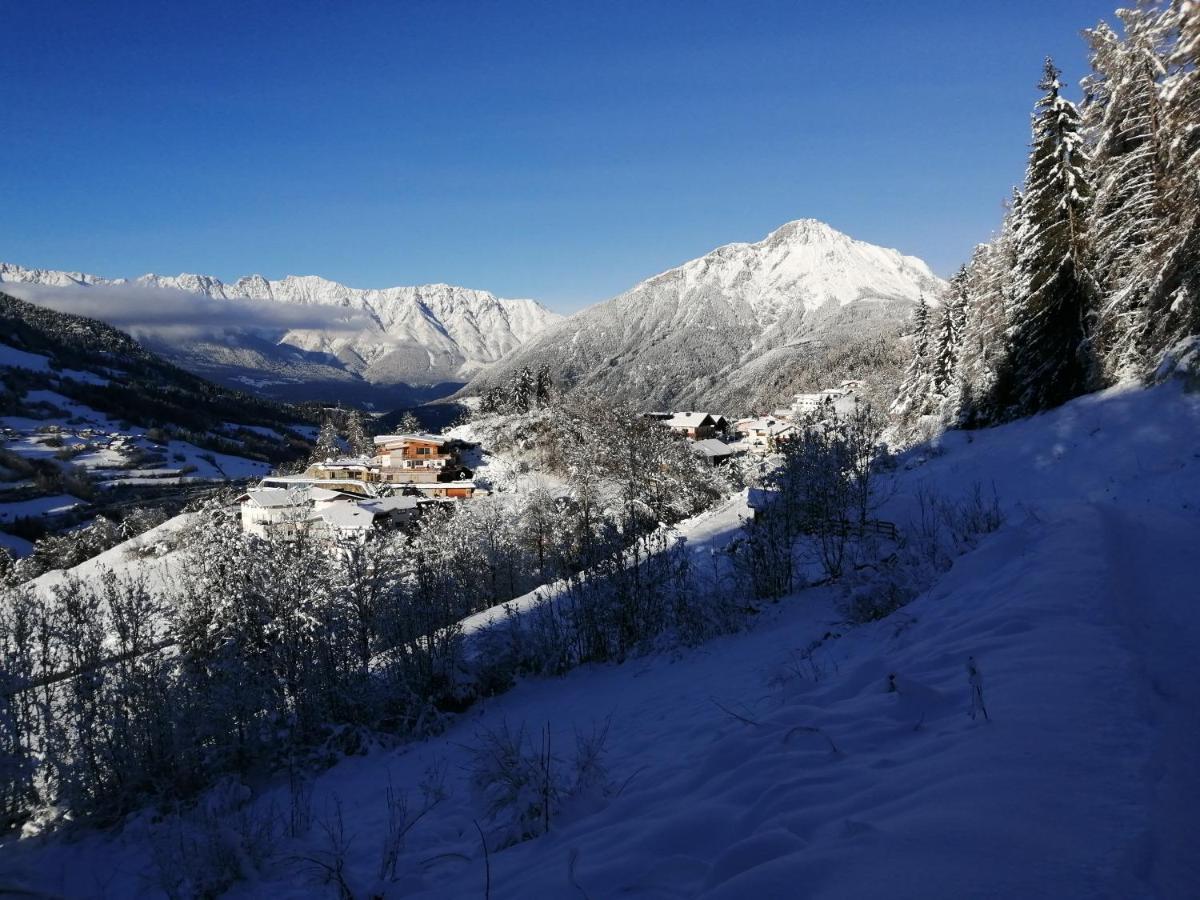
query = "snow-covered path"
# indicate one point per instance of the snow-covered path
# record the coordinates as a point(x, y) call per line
point(1154, 566)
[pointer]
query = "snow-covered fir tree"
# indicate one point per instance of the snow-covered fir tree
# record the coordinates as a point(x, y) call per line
point(328, 443)
point(916, 389)
point(1125, 117)
point(1051, 358)
point(357, 435)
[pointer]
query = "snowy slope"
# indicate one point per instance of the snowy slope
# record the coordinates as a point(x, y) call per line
point(778, 763)
point(414, 335)
point(716, 330)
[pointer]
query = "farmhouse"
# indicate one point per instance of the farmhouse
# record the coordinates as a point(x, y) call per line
point(696, 425)
point(762, 434)
point(713, 451)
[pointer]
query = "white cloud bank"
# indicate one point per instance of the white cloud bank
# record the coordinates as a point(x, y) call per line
point(168, 314)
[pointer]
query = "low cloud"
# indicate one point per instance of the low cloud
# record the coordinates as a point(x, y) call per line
point(168, 314)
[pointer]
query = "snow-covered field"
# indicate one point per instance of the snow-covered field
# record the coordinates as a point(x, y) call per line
point(807, 758)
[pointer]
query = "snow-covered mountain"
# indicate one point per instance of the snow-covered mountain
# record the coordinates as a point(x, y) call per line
point(736, 327)
point(416, 336)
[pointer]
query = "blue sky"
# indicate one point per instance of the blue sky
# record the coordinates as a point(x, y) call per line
point(558, 150)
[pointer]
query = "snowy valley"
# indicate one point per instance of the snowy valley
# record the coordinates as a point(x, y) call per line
point(793, 571)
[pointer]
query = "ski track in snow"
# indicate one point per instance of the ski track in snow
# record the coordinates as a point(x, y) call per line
point(819, 781)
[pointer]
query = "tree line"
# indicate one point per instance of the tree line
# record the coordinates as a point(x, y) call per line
point(1095, 271)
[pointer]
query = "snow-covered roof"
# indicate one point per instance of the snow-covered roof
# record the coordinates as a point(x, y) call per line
point(347, 462)
point(276, 497)
point(713, 447)
point(348, 517)
point(435, 485)
point(760, 498)
point(761, 423)
point(690, 420)
point(313, 480)
point(322, 494)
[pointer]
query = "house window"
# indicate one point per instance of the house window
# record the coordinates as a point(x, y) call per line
point(422, 451)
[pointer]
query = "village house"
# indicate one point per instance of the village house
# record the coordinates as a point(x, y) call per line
point(840, 401)
point(713, 451)
point(399, 460)
point(413, 457)
point(762, 434)
point(274, 510)
point(697, 426)
point(291, 512)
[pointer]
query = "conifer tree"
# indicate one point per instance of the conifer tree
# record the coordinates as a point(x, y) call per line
point(1174, 303)
point(1051, 358)
point(916, 388)
point(543, 386)
point(1127, 162)
point(945, 357)
point(327, 445)
point(357, 437)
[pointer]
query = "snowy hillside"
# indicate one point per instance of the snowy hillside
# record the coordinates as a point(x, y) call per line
point(423, 335)
point(729, 327)
point(805, 756)
point(92, 423)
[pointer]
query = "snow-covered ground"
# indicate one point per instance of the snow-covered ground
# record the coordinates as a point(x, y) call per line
point(39, 506)
point(133, 560)
point(806, 758)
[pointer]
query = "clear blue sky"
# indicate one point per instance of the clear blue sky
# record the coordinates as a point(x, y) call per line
point(559, 150)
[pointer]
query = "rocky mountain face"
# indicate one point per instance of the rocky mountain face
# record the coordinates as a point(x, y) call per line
point(740, 327)
point(394, 345)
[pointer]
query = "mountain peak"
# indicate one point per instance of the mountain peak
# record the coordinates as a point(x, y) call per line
point(737, 327)
point(805, 230)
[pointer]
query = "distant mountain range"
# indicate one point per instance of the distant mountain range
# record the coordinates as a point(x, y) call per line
point(388, 346)
point(740, 327)
point(737, 329)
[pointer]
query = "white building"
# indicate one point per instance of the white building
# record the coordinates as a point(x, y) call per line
point(274, 510)
point(840, 400)
point(760, 435)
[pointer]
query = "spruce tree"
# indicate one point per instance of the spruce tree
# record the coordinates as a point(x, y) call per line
point(1051, 359)
point(1127, 164)
point(1174, 303)
point(915, 390)
point(327, 445)
point(357, 436)
point(945, 357)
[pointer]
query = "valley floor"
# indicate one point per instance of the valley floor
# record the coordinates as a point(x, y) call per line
point(803, 757)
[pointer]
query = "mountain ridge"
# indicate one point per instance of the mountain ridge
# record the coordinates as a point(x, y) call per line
point(725, 329)
point(424, 335)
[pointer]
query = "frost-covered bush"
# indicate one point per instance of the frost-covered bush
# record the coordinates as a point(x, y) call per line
point(942, 530)
point(524, 787)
